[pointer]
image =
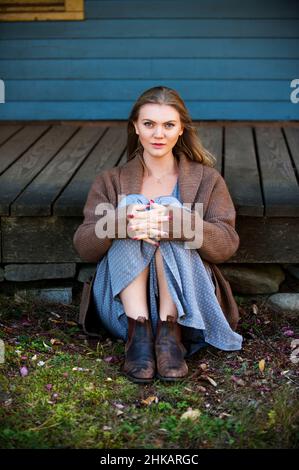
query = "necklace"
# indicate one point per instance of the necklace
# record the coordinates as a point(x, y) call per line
point(158, 178)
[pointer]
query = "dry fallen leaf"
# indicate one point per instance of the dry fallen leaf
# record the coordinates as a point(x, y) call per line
point(24, 371)
point(150, 400)
point(238, 381)
point(55, 341)
point(262, 365)
point(294, 357)
point(55, 314)
point(111, 359)
point(224, 415)
point(191, 414)
point(119, 406)
point(208, 379)
point(254, 309)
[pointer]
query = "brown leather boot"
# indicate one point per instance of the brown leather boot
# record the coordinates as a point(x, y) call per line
point(139, 363)
point(170, 352)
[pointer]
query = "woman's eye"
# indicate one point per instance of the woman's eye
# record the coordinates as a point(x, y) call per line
point(169, 124)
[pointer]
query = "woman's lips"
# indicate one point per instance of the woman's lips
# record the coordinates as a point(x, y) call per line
point(158, 145)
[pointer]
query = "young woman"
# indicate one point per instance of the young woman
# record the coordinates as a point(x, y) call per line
point(164, 297)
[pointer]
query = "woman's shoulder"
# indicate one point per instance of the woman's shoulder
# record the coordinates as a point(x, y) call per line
point(209, 173)
point(211, 170)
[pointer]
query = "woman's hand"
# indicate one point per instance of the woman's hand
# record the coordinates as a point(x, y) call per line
point(146, 224)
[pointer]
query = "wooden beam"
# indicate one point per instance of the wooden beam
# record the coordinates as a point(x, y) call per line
point(50, 239)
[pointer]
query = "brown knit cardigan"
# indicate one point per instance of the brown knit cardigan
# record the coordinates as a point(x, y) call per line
point(197, 183)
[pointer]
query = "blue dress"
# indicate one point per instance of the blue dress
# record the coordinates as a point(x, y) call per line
point(190, 285)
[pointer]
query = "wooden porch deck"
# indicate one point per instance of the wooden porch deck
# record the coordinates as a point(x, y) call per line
point(46, 170)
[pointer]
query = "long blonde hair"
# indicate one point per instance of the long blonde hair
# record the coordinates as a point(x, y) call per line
point(189, 142)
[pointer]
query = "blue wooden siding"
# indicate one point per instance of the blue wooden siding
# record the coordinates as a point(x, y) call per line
point(228, 60)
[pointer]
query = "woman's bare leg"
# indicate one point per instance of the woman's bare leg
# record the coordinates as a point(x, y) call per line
point(166, 304)
point(134, 296)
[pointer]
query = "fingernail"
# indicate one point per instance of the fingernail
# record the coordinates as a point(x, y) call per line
point(130, 216)
point(135, 238)
point(151, 201)
point(170, 217)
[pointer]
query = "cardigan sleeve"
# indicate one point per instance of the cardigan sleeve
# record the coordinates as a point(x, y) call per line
point(220, 239)
point(88, 244)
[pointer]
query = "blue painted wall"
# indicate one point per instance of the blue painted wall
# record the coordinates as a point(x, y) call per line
point(228, 60)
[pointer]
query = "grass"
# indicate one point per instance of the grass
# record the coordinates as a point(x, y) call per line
point(74, 396)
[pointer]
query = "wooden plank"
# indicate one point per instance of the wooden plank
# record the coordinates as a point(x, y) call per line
point(267, 240)
point(212, 140)
point(158, 10)
point(24, 170)
point(241, 171)
point(279, 182)
point(19, 144)
point(38, 197)
point(230, 48)
point(192, 9)
point(43, 239)
point(151, 68)
point(0, 240)
point(111, 110)
point(196, 89)
point(8, 131)
point(292, 136)
point(104, 156)
point(179, 27)
point(49, 239)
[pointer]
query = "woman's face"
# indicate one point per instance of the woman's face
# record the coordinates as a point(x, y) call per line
point(161, 124)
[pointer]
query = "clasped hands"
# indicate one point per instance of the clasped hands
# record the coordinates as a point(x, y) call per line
point(146, 224)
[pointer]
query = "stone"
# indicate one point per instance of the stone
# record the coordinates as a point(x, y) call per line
point(285, 303)
point(86, 271)
point(254, 278)
point(34, 272)
point(61, 295)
